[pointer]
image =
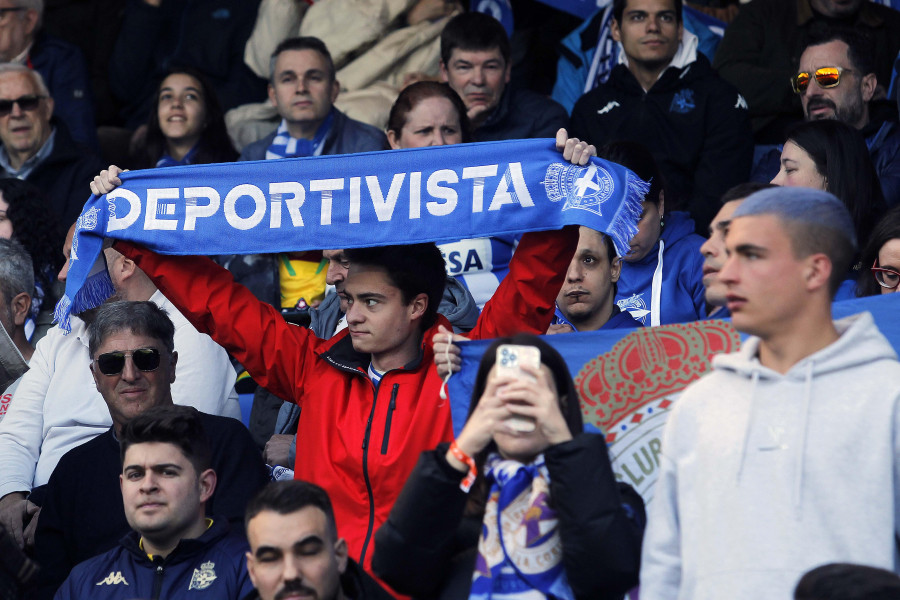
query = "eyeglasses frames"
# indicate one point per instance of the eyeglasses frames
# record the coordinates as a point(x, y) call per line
point(112, 363)
point(826, 77)
point(26, 103)
point(886, 278)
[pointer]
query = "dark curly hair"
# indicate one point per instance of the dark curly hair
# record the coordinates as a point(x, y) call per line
point(214, 145)
point(36, 227)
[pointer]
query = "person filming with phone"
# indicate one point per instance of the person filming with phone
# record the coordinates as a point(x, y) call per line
point(522, 502)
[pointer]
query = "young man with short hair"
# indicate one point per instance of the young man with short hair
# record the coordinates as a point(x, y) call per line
point(475, 62)
point(295, 547)
point(759, 481)
point(174, 550)
point(665, 95)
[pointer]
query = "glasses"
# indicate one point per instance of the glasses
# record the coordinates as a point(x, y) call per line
point(826, 77)
point(886, 278)
point(112, 363)
point(26, 103)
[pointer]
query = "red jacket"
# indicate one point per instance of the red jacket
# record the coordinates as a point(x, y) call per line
point(357, 444)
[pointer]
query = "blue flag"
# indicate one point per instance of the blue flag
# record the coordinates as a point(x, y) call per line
point(350, 201)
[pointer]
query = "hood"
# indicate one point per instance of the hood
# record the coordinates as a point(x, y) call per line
point(458, 306)
point(860, 342)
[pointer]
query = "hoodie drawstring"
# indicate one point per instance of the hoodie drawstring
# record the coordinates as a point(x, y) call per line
point(801, 447)
point(754, 380)
point(656, 288)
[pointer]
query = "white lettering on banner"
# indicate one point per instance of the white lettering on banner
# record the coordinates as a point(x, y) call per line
point(259, 210)
point(245, 205)
point(327, 187)
point(193, 210)
point(477, 174)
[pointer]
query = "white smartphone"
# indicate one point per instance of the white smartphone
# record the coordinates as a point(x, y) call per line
point(510, 359)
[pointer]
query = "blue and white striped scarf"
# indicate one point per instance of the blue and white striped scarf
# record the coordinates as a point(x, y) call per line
point(285, 146)
point(350, 201)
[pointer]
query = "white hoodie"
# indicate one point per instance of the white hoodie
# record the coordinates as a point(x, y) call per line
point(765, 476)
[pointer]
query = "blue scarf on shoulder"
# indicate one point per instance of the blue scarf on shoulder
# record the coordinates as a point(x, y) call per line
point(349, 201)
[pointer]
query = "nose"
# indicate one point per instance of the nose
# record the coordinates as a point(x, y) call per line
point(707, 248)
point(728, 272)
point(129, 371)
point(291, 570)
point(478, 75)
point(16, 110)
point(574, 273)
point(354, 313)
point(335, 273)
point(148, 483)
point(63, 272)
point(653, 24)
point(779, 178)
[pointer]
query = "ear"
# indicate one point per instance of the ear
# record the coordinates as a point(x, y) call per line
point(662, 203)
point(614, 30)
point(508, 74)
point(21, 306)
point(172, 363)
point(50, 105)
point(681, 30)
point(30, 19)
point(335, 90)
point(615, 269)
point(127, 268)
point(121, 482)
point(251, 565)
point(393, 139)
point(444, 76)
point(818, 271)
point(272, 99)
point(207, 482)
point(867, 86)
point(418, 306)
point(340, 553)
point(94, 375)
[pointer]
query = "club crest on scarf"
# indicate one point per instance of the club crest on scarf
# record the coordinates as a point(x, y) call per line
point(585, 188)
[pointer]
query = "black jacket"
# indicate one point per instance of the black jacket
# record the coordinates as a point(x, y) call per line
point(357, 585)
point(522, 114)
point(695, 124)
point(427, 547)
point(82, 514)
point(65, 175)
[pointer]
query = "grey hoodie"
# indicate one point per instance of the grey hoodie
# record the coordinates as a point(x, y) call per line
point(764, 476)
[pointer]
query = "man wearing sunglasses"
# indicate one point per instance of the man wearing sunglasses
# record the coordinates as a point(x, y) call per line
point(760, 48)
point(38, 148)
point(836, 79)
point(133, 366)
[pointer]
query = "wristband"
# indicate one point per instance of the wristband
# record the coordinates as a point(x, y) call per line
point(462, 457)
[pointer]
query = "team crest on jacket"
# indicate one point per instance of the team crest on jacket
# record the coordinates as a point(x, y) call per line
point(584, 188)
point(683, 102)
point(203, 577)
point(635, 305)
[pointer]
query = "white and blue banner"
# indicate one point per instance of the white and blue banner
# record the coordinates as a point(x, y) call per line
point(350, 201)
point(628, 380)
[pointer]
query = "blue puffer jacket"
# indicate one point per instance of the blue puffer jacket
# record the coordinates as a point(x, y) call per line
point(212, 566)
point(680, 289)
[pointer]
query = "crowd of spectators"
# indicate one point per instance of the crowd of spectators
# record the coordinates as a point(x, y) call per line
point(767, 133)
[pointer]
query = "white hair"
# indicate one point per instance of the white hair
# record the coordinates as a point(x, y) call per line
point(35, 76)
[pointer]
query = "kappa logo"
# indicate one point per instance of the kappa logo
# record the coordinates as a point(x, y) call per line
point(636, 306)
point(114, 578)
point(683, 102)
point(741, 103)
point(203, 577)
point(584, 188)
point(609, 106)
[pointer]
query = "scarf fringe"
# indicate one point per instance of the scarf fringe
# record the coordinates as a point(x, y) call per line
point(95, 291)
point(623, 226)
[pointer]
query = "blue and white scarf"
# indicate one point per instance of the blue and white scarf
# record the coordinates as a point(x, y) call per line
point(519, 551)
point(350, 201)
point(285, 146)
point(168, 161)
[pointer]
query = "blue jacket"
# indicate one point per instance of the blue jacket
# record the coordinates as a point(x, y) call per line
point(212, 566)
point(347, 136)
point(620, 319)
point(681, 293)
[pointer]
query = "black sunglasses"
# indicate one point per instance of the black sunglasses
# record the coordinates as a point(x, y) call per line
point(112, 363)
point(26, 103)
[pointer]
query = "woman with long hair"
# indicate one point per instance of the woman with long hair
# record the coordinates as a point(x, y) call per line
point(526, 510)
point(880, 273)
point(186, 125)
